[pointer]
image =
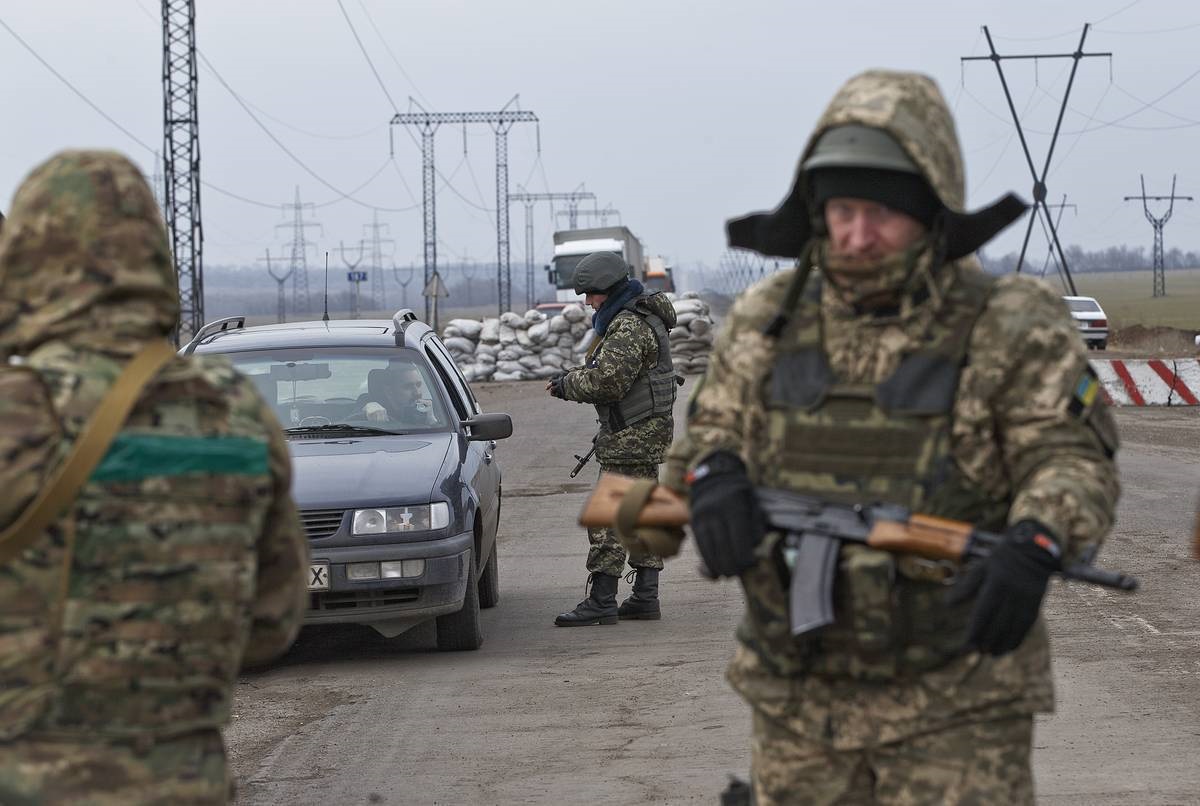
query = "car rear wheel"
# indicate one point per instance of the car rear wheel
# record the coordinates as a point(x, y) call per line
point(1098, 344)
point(462, 631)
point(489, 581)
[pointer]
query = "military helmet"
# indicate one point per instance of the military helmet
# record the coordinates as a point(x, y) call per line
point(858, 146)
point(599, 272)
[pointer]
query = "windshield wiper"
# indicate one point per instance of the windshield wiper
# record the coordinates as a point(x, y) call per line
point(357, 429)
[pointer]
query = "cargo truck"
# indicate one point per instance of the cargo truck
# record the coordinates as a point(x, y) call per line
point(572, 246)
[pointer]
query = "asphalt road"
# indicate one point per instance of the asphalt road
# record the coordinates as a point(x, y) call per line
point(640, 713)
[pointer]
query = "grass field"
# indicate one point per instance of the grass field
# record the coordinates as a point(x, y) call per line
point(1126, 298)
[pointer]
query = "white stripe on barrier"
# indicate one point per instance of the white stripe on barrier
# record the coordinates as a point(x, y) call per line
point(1117, 375)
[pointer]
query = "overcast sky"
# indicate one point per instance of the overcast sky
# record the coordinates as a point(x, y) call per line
point(678, 114)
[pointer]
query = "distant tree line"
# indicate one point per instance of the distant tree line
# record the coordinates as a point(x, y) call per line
point(1114, 258)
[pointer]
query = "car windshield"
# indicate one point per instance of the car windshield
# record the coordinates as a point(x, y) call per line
point(1083, 305)
point(389, 390)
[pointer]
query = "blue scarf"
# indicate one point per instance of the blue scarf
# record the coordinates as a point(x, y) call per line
point(615, 302)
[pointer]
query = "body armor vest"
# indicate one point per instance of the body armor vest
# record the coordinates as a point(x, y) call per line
point(861, 443)
point(653, 391)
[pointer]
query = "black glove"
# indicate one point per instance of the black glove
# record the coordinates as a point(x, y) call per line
point(556, 386)
point(1009, 586)
point(727, 521)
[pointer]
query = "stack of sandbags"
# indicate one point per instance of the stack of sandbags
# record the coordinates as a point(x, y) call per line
point(531, 346)
point(692, 336)
point(518, 347)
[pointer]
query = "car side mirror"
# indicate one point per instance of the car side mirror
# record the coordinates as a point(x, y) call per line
point(488, 426)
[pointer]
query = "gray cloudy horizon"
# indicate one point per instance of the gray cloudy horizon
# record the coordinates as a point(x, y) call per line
point(678, 114)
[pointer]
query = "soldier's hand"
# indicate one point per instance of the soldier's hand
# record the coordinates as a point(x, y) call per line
point(727, 520)
point(1008, 588)
point(556, 387)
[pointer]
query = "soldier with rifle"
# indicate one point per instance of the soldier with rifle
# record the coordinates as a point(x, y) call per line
point(888, 376)
point(628, 376)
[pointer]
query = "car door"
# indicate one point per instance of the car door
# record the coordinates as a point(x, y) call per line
point(479, 465)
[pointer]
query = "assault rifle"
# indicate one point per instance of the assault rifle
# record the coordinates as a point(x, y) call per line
point(583, 460)
point(815, 530)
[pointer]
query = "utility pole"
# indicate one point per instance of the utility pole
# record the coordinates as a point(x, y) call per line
point(181, 152)
point(299, 249)
point(1039, 179)
point(427, 123)
point(1057, 223)
point(353, 276)
point(403, 283)
point(572, 199)
point(1160, 278)
point(281, 313)
point(378, 289)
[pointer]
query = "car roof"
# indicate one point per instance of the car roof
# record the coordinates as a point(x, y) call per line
point(232, 336)
point(1090, 299)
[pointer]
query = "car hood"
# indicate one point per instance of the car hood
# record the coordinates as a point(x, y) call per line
point(366, 471)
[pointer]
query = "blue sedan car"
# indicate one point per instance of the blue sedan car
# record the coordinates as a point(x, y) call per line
point(394, 465)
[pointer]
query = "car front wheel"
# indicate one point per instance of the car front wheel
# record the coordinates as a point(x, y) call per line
point(489, 581)
point(462, 631)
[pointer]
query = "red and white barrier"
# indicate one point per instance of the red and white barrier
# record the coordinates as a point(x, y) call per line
point(1150, 382)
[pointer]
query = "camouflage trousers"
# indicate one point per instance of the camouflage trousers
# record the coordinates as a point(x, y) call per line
point(979, 763)
point(186, 771)
point(605, 554)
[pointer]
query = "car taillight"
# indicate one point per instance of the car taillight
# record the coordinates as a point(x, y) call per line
point(1099, 323)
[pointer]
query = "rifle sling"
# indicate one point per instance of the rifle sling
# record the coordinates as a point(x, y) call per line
point(68, 479)
point(631, 506)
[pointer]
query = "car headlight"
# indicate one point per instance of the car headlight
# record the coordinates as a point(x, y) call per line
point(420, 518)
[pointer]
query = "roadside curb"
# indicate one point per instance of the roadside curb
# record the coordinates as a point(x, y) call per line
point(1149, 382)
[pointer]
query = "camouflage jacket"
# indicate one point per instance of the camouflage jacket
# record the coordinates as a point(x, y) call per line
point(182, 558)
point(1026, 427)
point(627, 349)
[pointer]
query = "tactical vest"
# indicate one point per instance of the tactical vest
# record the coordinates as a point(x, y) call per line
point(159, 588)
point(854, 443)
point(653, 391)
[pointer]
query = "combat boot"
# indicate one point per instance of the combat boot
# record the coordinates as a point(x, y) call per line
point(643, 604)
point(600, 607)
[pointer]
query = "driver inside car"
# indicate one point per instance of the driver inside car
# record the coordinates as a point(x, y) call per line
point(395, 395)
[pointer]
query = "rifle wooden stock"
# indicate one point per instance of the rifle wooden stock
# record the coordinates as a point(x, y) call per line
point(664, 507)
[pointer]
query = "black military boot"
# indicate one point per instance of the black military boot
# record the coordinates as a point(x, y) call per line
point(599, 608)
point(643, 604)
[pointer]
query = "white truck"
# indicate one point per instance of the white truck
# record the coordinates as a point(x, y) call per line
point(572, 246)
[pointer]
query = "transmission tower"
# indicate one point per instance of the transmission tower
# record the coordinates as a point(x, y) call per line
point(378, 287)
point(1039, 180)
point(299, 251)
point(427, 123)
point(281, 283)
point(572, 199)
point(403, 283)
point(1061, 206)
point(353, 276)
point(181, 150)
point(1160, 278)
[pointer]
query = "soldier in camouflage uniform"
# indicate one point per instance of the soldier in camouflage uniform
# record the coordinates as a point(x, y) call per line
point(123, 626)
point(630, 379)
point(887, 367)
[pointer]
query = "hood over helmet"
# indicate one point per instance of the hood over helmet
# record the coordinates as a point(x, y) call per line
point(84, 259)
point(910, 108)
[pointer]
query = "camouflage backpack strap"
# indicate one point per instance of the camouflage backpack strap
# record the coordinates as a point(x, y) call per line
point(89, 448)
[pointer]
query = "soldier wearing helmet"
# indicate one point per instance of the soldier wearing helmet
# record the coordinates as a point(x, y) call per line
point(628, 376)
point(888, 367)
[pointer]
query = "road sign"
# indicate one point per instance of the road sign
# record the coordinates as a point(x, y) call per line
point(356, 276)
point(435, 287)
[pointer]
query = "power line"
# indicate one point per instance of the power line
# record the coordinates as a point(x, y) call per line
point(396, 61)
point(367, 56)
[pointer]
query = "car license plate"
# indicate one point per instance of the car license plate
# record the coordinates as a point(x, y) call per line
point(318, 577)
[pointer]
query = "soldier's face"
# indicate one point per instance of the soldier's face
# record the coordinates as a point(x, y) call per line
point(595, 300)
point(867, 230)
